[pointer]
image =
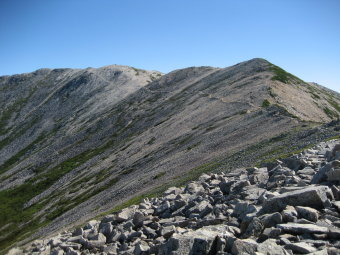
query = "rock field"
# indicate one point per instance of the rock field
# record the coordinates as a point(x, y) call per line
point(289, 207)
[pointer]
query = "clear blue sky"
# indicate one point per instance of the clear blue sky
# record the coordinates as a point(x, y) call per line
point(302, 36)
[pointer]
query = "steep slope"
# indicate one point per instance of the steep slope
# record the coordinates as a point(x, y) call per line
point(58, 103)
point(79, 142)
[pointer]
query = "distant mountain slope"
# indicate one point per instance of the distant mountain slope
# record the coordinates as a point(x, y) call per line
point(307, 101)
point(77, 142)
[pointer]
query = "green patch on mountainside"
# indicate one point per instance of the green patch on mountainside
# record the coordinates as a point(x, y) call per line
point(283, 76)
point(265, 103)
point(22, 220)
point(12, 201)
point(330, 113)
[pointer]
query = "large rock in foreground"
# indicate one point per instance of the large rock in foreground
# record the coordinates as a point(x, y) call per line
point(316, 197)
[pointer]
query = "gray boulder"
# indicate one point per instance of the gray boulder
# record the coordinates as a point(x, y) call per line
point(336, 204)
point(54, 242)
point(71, 251)
point(308, 213)
point(141, 248)
point(296, 228)
point(334, 173)
point(76, 239)
point(125, 214)
point(269, 247)
point(294, 162)
point(329, 172)
point(138, 219)
point(167, 232)
point(57, 251)
point(202, 209)
point(163, 207)
point(333, 251)
point(194, 188)
point(300, 248)
point(270, 220)
point(252, 193)
point(225, 186)
point(201, 241)
point(270, 233)
point(105, 228)
point(91, 224)
point(306, 171)
point(320, 252)
point(66, 245)
point(315, 197)
point(96, 241)
point(242, 209)
point(335, 151)
point(244, 246)
point(258, 175)
point(108, 218)
point(254, 229)
point(173, 191)
point(78, 232)
point(289, 214)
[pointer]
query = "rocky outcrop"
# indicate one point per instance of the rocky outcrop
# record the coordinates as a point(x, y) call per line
point(270, 211)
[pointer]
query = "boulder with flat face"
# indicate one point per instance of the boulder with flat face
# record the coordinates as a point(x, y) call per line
point(125, 214)
point(201, 241)
point(315, 197)
point(296, 228)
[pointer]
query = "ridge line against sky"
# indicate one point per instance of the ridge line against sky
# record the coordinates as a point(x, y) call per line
point(303, 37)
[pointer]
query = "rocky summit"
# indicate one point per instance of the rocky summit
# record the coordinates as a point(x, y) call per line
point(292, 207)
point(77, 143)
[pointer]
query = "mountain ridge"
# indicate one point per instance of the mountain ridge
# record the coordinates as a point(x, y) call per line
point(93, 140)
